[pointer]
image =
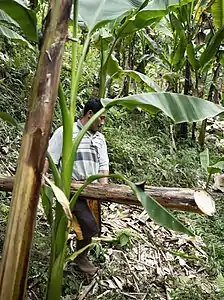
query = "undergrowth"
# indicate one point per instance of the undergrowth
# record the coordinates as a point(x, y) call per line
point(140, 147)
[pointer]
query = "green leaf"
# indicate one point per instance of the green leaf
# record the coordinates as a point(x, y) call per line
point(159, 214)
point(24, 16)
point(178, 57)
point(5, 18)
point(151, 14)
point(124, 240)
point(180, 108)
point(155, 47)
point(76, 253)
point(192, 56)
point(204, 159)
point(11, 34)
point(55, 282)
point(220, 282)
point(163, 28)
point(113, 65)
point(217, 11)
point(177, 26)
point(101, 39)
point(155, 211)
point(61, 198)
point(47, 197)
point(139, 77)
point(8, 118)
point(98, 12)
point(216, 168)
point(212, 48)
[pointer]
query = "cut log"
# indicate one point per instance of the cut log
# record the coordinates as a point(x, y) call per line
point(170, 197)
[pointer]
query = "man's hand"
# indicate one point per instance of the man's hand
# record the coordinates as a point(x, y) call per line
point(46, 167)
point(105, 179)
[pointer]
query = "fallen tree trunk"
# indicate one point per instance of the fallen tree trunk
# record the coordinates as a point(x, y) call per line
point(174, 198)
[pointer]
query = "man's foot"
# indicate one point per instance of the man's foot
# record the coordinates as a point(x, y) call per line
point(85, 265)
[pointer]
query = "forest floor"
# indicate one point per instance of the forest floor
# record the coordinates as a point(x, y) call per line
point(137, 258)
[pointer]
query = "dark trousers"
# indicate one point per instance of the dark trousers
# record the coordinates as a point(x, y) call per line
point(85, 224)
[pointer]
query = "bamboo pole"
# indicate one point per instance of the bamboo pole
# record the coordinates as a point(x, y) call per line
point(174, 198)
point(14, 264)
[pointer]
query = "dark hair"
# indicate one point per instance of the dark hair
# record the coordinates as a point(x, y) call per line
point(93, 104)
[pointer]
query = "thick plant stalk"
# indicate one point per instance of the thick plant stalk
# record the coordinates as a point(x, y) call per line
point(14, 264)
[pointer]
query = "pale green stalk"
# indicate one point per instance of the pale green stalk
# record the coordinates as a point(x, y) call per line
point(59, 228)
point(74, 56)
point(104, 65)
point(60, 232)
point(56, 271)
point(67, 163)
point(88, 181)
point(56, 174)
point(67, 137)
point(78, 75)
point(63, 106)
point(102, 76)
point(103, 73)
point(75, 145)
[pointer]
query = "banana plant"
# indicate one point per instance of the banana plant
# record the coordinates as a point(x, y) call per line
point(217, 10)
point(217, 167)
point(15, 14)
point(178, 107)
point(189, 57)
point(130, 16)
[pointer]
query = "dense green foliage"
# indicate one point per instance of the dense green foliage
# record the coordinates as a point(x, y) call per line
point(142, 147)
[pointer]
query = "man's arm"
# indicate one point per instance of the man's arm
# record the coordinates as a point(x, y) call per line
point(55, 149)
point(105, 179)
point(104, 163)
point(46, 167)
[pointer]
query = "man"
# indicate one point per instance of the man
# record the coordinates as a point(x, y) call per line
point(91, 158)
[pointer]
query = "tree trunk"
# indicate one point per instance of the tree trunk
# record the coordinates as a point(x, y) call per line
point(14, 264)
point(174, 198)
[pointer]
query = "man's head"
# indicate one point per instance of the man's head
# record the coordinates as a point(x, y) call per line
point(92, 106)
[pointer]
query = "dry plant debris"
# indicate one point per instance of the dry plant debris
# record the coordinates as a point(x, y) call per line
point(149, 262)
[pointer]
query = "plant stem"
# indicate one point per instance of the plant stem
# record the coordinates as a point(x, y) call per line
point(56, 175)
point(66, 152)
point(103, 73)
point(67, 135)
point(62, 103)
point(78, 75)
point(74, 57)
point(55, 280)
point(102, 76)
point(104, 68)
point(73, 150)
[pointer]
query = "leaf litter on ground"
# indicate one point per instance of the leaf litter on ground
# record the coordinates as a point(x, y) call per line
point(148, 265)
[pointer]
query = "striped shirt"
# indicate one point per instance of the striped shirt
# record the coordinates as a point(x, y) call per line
point(91, 157)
